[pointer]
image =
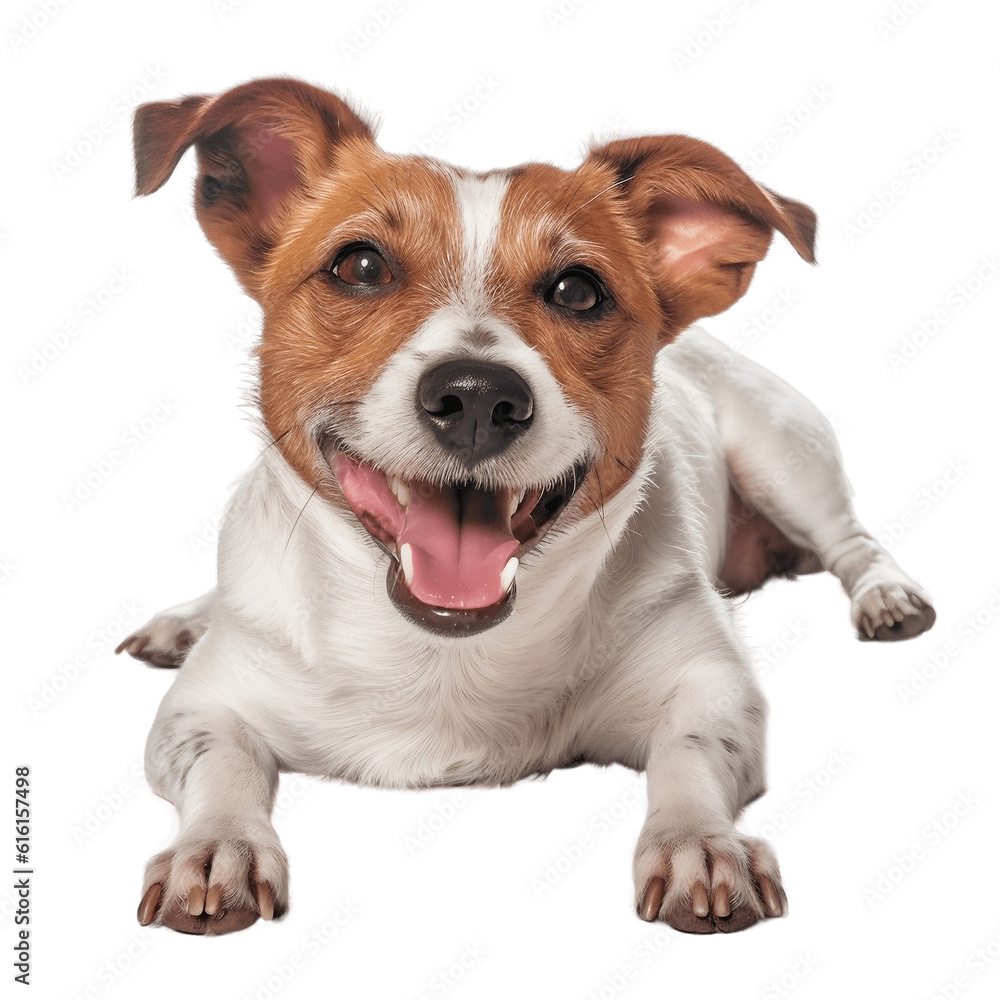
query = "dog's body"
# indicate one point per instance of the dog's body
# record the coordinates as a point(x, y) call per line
point(667, 467)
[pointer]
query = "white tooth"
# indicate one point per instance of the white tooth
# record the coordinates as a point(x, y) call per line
point(399, 490)
point(507, 576)
point(406, 561)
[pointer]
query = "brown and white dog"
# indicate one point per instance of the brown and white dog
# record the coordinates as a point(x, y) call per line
point(483, 387)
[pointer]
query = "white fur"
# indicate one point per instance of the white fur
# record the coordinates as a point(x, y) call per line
point(466, 327)
point(620, 648)
point(479, 200)
point(561, 436)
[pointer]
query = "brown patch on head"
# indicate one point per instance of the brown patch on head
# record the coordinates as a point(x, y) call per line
point(289, 175)
point(324, 342)
point(673, 228)
point(551, 221)
point(290, 178)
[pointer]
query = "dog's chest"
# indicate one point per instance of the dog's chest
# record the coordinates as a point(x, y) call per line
point(462, 716)
point(357, 692)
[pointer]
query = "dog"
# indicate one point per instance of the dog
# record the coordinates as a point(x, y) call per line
point(487, 389)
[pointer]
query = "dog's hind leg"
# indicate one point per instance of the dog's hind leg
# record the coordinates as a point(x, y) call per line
point(166, 639)
point(796, 513)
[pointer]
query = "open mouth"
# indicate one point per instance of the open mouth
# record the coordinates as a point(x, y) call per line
point(455, 547)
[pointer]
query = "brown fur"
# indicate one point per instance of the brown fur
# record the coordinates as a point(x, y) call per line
point(605, 365)
point(324, 346)
point(666, 177)
point(288, 175)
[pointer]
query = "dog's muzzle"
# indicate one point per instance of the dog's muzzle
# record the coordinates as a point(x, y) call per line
point(456, 545)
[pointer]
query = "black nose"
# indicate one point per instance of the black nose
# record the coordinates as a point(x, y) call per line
point(476, 409)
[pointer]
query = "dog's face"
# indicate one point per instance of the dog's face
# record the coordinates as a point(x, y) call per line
point(463, 361)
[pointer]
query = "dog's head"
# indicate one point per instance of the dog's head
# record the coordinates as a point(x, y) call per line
point(463, 360)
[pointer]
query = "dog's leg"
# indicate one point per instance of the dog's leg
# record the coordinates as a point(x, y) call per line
point(705, 762)
point(226, 866)
point(785, 462)
point(166, 639)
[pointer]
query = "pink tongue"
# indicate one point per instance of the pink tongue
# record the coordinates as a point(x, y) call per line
point(460, 542)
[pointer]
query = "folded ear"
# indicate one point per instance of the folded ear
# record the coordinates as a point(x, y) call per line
point(259, 145)
point(707, 222)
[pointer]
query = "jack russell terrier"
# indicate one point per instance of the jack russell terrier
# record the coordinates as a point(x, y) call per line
point(484, 388)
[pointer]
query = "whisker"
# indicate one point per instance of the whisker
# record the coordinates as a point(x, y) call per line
point(615, 184)
point(274, 441)
point(600, 508)
point(576, 182)
point(298, 517)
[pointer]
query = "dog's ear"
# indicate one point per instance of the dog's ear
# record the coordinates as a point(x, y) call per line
point(707, 222)
point(259, 145)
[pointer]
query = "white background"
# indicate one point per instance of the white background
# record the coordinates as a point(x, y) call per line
point(862, 766)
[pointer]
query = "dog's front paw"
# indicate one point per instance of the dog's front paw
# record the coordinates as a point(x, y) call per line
point(890, 606)
point(165, 640)
point(708, 882)
point(214, 885)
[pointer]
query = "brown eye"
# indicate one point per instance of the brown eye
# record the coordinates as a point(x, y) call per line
point(362, 266)
point(575, 290)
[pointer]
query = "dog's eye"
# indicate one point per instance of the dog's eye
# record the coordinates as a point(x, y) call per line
point(576, 290)
point(361, 265)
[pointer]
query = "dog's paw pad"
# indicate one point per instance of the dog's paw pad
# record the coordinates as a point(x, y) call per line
point(214, 887)
point(889, 611)
point(717, 883)
point(164, 641)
